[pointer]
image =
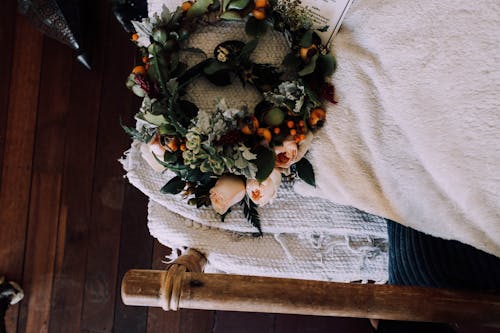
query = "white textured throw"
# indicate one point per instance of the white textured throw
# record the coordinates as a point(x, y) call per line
point(416, 134)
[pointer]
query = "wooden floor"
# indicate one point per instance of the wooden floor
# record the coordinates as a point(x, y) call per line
point(70, 225)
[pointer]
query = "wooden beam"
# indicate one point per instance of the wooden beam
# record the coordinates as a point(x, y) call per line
point(293, 296)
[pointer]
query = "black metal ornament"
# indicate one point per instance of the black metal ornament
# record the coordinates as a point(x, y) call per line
point(59, 20)
point(126, 11)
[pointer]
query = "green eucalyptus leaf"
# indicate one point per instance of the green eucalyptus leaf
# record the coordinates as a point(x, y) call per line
point(255, 27)
point(305, 171)
point(231, 15)
point(265, 163)
point(310, 67)
point(174, 186)
point(199, 8)
point(154, 119)
point(307, 39)
point(238, 4)
point(167, 129)
point(326, 64)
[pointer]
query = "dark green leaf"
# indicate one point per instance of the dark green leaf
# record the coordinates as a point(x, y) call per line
point(326, 64)
point(174, 186)
point(221, 78)
point(291, 61)
point(135, 134)
point(265, 163)
point(199, 8)
point(249, 48)
point(305, 171)
point(310, 67)
point(230, 16)
point(214, 67)
point(255, 27)
point(307, 39)
point(238, 4)
point(251, 213)
point(324, 29)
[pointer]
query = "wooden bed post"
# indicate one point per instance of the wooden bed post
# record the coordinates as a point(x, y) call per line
point(183, 285)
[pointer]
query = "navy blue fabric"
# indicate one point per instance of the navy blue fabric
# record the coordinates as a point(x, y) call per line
point(418, 259)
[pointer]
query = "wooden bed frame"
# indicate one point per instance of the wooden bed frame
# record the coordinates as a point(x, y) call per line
point(184, 285)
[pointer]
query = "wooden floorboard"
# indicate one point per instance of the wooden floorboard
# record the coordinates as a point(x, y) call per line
point(108, 187)
point(70, 223)
point(7, 39)
point(136, 250)
point(46, 187)
point(18, 153)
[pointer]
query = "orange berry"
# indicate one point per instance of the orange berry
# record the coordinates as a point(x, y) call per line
point(173, 145)
point(145, 60)
point(261, 4)
point(290, 124)
point(265, 133)
point(293, 132)
point(186, 5)
point(183, 147)
point(317, 117)
point(249, 125)
point(259, 14)
point(276, 130)
point(307, 52)
point(301, 123)
point(139, 70)
point(135, 37)
point(302, 137)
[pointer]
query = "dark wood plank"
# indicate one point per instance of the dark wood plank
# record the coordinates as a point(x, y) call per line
point(108, 189)
point(243, 322)
point(194, 321)
point(310, 324)
point(18, 153)
point(7, 35)
point(79, 161)
point(136, 249)
point(46, 187)
point(159, 320)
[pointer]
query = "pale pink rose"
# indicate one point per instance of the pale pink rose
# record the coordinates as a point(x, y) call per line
point(286, 154)
point(147, 151)
point(290, 153)
point(265, 192)
point(228, 191)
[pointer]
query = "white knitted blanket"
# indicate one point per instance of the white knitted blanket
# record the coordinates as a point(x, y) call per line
point(416, 134)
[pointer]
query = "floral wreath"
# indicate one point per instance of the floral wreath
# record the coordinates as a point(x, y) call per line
point(230, 155)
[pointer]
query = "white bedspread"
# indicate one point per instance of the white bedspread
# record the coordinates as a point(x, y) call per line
point(415, 136)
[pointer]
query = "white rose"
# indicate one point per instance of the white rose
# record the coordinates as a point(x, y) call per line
point(147, 151)
point(265, 192)
point(228, 190)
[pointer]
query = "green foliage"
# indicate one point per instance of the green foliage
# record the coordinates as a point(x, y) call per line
point(174, 186)
point(231, 15)
point(305, 171)
point(142, 136)
point(255, 28)
point(326, 64)
point(265, 162)
point(307, 39)
point(251, 213)
point(199, 8)
point(310, 67)
point(238, 4)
